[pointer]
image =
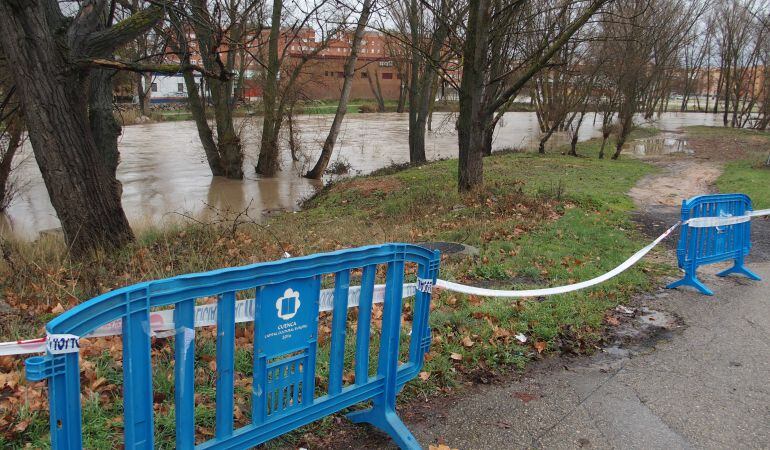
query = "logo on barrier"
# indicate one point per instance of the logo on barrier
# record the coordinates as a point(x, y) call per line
point(288, 305)
point(284, 321)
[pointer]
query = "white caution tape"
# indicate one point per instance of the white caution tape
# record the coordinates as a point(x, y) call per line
point(465, 289)
point(707, 222)
point(162, 321)
point(59, 344)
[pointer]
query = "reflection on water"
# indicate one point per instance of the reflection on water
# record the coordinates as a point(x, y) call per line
point(164, 171)
point(663, 145)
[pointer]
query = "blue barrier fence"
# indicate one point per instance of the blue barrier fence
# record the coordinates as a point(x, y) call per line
point(706, 245)
point(284, 391)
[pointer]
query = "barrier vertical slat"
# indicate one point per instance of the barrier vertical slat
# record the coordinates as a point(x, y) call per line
point(308, 384)
point(388, 359)
point(258, 395)
point(339, 321)
point(419, 324)
point(137, 376)
point(363, 331)
point(64, 395)
point(184, 373)
point(225, 364)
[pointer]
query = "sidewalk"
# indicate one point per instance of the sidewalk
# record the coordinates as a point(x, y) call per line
point(705, 386)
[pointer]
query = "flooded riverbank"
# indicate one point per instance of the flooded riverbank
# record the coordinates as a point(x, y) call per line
point(165, 174)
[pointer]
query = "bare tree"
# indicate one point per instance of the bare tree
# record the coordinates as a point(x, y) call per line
point(221, 30)
point(642, 39)
point(350, 70)
point(489, 22)
point(281, 68)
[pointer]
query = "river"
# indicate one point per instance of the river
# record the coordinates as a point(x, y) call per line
point(165, 175)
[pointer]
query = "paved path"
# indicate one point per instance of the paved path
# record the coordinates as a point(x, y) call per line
point(705, 386)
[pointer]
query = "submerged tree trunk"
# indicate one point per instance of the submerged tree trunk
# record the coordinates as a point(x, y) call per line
point(205, 134)
point(374, 85)
point(422, 79)
point(269, 152)
point(342, 107)
point(402, 97)
point(228, 143)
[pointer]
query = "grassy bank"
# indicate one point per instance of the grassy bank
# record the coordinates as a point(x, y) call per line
point(539, 221)
point(745, 153)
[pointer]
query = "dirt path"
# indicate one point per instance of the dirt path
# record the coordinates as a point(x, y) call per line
point(678, 179)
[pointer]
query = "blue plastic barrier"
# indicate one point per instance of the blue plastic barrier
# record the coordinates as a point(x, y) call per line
point(284, 391)
point(699, 246)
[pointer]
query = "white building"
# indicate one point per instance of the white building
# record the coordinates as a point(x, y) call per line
point(170, 88)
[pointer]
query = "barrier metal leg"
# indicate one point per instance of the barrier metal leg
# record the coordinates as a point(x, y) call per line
point(385, 418)
point(692, 281)
point(740, 269)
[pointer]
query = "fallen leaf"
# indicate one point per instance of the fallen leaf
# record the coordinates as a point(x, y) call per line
point(21, 426)
point(540, 346)
point(467, 342)
point(424, 376)
point(58, 309)
point(525, 397)
point(456, 356)
point(612, 321)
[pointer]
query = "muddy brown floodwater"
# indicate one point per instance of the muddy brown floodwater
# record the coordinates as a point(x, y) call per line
point(164, 172)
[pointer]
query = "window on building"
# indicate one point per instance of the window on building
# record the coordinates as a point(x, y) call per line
point(341, 74)
point(154, 87)
point(180, 87)
point(387, 76)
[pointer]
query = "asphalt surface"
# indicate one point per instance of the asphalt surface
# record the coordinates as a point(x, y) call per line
point(705, 385)
point(700, 382)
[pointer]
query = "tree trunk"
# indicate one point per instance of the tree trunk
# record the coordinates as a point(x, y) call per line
point(374, 77)
point(144, 92)
point(104, 127)
point(544, 139)
point(14, 131)
point(575, 135)
point(342, 107)
point(471, 121)
point(205, 134)
point(402, 97)
point(83, 191)
point(605, 136)
point(228, 143)
point(269, 153)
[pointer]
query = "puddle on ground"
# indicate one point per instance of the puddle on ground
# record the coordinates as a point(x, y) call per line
point(661, 145)
point(638, 330)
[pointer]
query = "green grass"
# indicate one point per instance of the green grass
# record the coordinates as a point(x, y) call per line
point(748, 177)
point(540, 220)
